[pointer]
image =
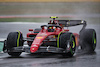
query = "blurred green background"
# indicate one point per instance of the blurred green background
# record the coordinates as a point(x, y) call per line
point(41, 11)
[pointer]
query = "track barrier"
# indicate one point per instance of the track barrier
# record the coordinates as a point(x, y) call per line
point(49, 0)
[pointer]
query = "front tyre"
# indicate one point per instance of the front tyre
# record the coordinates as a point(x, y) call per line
point(67, 42)
point(14, 39)
point(14, 53)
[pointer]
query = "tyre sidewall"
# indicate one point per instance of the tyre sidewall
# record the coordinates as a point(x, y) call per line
point(87, 39)
point(64, 40)
point(12, 40)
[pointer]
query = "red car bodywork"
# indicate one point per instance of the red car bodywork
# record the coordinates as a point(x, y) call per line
point(43, 34)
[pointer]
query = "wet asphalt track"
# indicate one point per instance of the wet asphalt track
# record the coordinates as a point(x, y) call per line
point(47, 60)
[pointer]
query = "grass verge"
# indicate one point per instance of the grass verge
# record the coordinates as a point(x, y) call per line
point(23, 19)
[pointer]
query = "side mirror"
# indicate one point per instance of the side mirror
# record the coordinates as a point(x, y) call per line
point(66, 30)
point(30, 29)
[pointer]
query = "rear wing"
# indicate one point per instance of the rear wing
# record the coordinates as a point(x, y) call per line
point(69, 23)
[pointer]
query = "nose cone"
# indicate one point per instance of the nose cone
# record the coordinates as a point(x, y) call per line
point(34, 48)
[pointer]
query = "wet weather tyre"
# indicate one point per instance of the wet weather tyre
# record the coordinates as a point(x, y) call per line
point(88, 40)
point(14, 39)
point(67, 42)
point(14, 53)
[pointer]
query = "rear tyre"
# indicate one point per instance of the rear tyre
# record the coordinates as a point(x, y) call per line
point(88, 40)
point(14, 39)
point(67, 42)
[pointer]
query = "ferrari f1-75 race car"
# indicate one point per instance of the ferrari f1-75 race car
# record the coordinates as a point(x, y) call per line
point(52, 38)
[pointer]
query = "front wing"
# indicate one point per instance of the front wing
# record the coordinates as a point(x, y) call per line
point(42, 49)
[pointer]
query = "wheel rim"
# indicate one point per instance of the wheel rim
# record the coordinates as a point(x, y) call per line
point(71, 47)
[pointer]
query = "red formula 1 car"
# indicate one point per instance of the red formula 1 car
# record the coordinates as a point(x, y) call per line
point(52, 38)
